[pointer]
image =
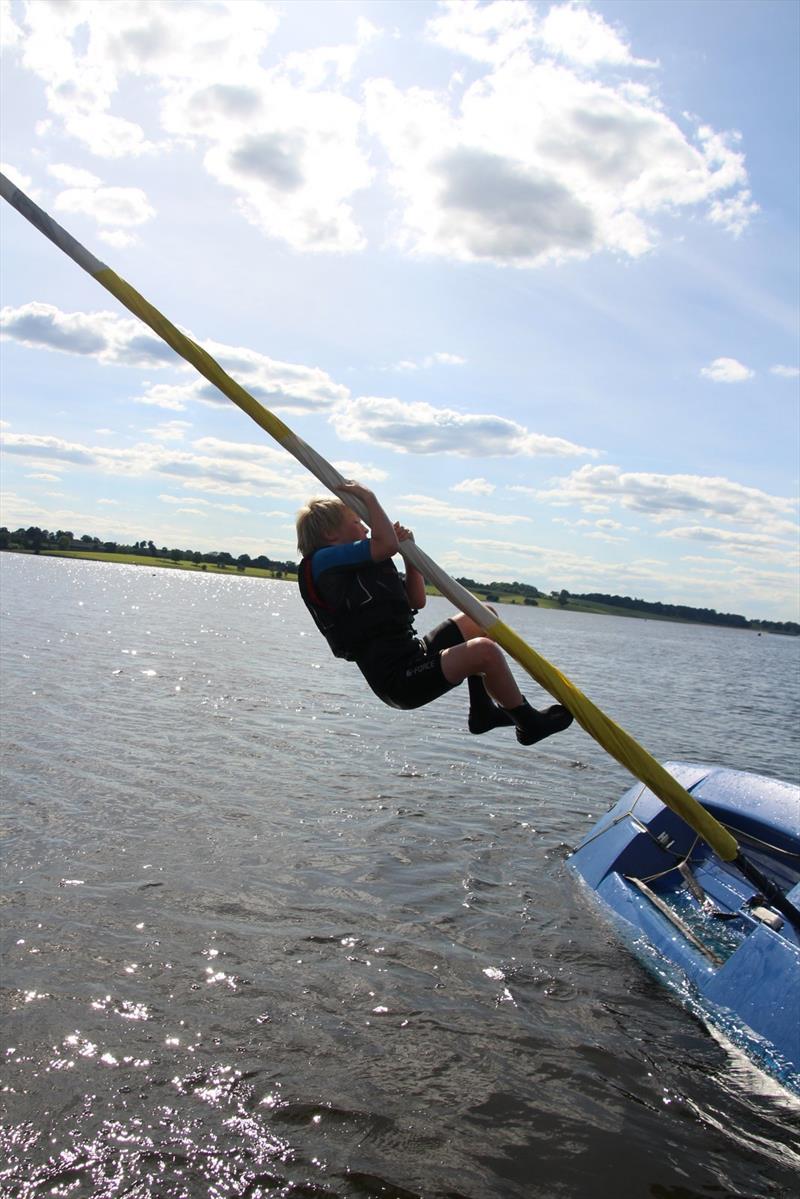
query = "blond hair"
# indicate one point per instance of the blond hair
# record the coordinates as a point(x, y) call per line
point(317, 521)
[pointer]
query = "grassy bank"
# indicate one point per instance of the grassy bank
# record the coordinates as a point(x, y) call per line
point(163, 563)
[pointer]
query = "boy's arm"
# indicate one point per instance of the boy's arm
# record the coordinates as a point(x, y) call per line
point(383, 538)
point(415, 580)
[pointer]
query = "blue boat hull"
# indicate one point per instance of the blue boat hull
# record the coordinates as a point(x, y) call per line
point(694, 920)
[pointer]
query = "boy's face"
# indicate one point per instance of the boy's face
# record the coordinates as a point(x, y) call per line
point(350, 528)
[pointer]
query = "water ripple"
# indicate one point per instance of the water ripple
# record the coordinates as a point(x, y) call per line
point(264, 937)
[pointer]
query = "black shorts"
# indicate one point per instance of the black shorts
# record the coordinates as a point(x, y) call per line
point(415, 678)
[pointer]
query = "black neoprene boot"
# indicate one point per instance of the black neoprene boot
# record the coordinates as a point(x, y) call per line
point(533, 726)
point(484, 713)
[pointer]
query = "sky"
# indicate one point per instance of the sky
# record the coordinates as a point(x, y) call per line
point(528, 270)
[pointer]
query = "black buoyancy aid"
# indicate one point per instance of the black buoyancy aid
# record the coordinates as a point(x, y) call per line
point(372, 603)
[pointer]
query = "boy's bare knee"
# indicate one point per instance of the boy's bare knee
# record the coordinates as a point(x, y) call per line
point(486, 652)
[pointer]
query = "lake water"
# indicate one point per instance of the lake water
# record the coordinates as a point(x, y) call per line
point(265, 937)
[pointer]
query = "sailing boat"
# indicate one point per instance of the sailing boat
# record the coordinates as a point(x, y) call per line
point(716, 939)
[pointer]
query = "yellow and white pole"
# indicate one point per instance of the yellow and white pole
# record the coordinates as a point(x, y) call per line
point(613, 739)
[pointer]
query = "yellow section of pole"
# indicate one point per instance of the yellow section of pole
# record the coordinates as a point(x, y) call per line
point(617, 742)
point(199, 358)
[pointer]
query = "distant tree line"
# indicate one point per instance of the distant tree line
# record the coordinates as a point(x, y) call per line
point(526, 590)
point(531, 595)
point(696, 615)
point(34, 540)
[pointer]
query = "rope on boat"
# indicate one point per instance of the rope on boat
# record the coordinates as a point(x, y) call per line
point(614, 739)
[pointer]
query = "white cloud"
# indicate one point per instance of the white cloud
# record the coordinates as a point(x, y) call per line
point(440, 510)
point(206, 504)
point(185, 41)
point(73, 176)
point(182, 499)
point(785, 372)
point(598, 530)
point(83, 51)
point(314, 68)
point(44, 448)
point(232, 508)
point(126, 206)
point(176, 499)
point(558, 520)
point(546, 155)
point(611, 538)
point(584, 37)
point(734, 541)
point(18, 178)
point(173, 430)
point(734, 212)
point(10, 32)
point(358, 470)
point(211, 465)
point(295, 168)
point(548, 567)
point(22, 510)
point(441, 358)
point(664, 496)
point(727, 370)
point(172, 396)
point(247, 451)
point(474, 487)
point(444, 359)
point(86, 195)
point(489, 33)
point(101, 335)
point(117, 239)
point(283, 386)
point(285, 139)
point(540, 162)
point(421, 428)
point(79, 84)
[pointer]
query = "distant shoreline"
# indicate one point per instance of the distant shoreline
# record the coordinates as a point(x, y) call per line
point(490, 594)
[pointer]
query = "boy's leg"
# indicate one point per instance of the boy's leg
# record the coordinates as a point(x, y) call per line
point(481, 656)
point(467, 626)
point(484, 713)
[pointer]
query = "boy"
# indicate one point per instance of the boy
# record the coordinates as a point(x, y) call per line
point(366, 610)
